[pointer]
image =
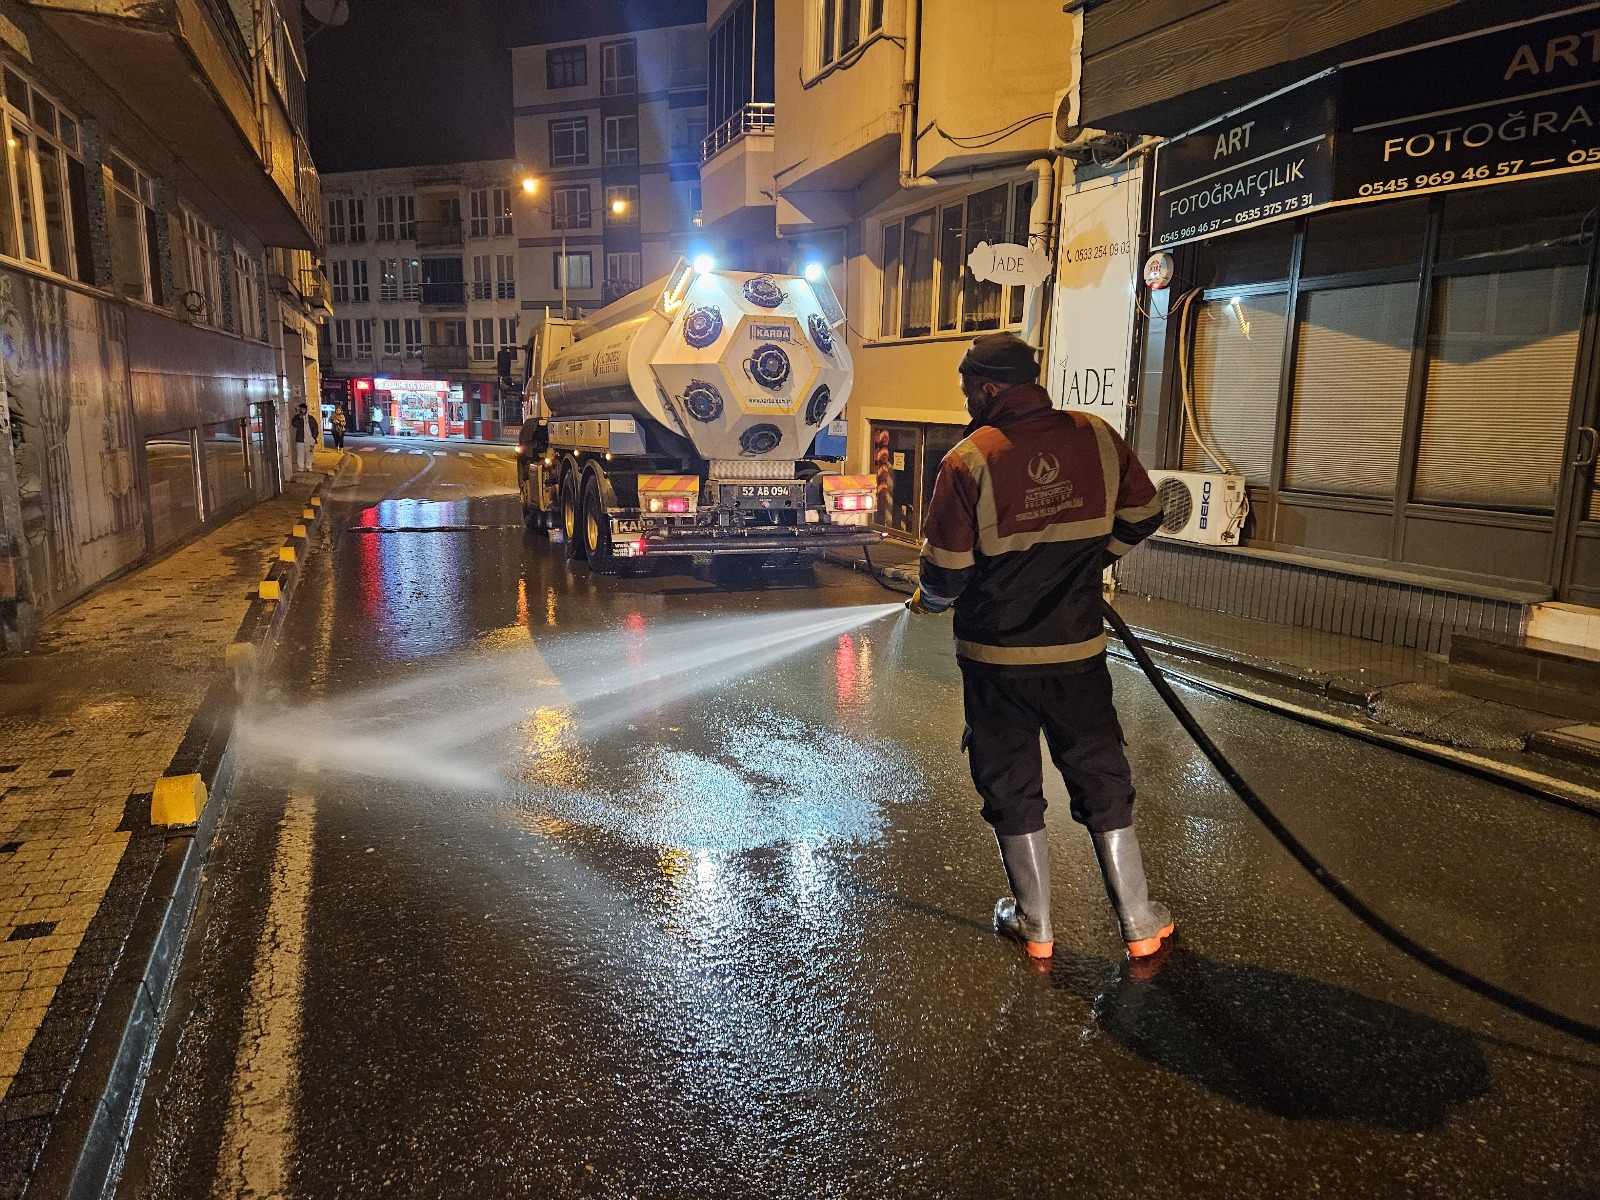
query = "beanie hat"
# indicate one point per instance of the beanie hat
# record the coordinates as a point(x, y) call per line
point(1002, 357)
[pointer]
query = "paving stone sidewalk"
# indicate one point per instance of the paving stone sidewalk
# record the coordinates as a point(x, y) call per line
point(88, 723)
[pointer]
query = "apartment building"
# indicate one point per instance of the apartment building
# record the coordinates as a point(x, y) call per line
point(422, 272)
point(158, 216)
point(609, 129)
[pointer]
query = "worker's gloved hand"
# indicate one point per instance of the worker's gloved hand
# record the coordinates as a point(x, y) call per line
point(920, 604)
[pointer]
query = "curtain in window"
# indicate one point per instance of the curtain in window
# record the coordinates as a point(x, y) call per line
point(1237, 363)
point(916, 319)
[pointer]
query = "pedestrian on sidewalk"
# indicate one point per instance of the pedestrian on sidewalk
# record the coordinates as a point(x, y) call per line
point(336, 423)
point(306, 434)
point(1027, 512)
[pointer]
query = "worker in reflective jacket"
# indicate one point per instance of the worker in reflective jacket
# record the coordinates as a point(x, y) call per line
point(1027, 512)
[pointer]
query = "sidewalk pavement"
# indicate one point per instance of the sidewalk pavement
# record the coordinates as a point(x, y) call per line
point(1399, 691)
point(131, 684)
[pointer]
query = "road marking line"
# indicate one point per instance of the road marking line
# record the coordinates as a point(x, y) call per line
point(394, 450)
point(438, 453)
point(259, 1133)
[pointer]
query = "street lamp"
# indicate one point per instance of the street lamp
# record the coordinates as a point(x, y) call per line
point(530, 187)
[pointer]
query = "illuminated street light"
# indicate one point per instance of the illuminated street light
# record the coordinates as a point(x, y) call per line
point(530, 185)
point(619, 206)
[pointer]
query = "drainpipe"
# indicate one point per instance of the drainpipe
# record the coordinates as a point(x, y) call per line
point(1046, 192)
point(908, 101)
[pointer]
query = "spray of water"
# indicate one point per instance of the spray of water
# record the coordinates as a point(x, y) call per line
point(603, 679)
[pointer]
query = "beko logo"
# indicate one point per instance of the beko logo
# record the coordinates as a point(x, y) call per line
point(1205, 503)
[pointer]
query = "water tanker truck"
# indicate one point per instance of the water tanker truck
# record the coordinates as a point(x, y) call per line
point(678, 421)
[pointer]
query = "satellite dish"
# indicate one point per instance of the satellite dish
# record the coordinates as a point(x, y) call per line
point(329, 12)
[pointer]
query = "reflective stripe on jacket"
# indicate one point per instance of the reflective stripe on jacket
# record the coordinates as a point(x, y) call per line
point(1026, 513)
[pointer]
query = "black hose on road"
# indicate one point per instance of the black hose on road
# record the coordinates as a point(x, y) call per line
point(877, 576)
point(1353, 904)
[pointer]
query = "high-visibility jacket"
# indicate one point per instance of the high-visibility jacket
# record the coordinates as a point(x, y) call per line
point(1026, 513)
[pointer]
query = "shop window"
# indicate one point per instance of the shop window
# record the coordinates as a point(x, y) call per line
point(227, 468)
point(1234, 381)
point(621, 140)
point(263, 443)
point(905, 460)
point(566, 66)
point(577, 271)
point(135, 256)
point(619, 68)
point(1259, 255)
point(174, 496)
point(505, 276)
point(1502, 351)
point(483, 339)
point(569, 142)
point(1542, 214)
point(391, 337)
point(1352, 369)
point(569, 208)
point(1365, 237)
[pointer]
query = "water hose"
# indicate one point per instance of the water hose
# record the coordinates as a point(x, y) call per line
point(1353, 904)
point(877, 576)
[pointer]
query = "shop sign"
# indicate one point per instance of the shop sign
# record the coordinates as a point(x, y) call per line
point(1008, 263)
point(1506, 103)
point(385, 384)
point(1267, 161)
point(1092, 311)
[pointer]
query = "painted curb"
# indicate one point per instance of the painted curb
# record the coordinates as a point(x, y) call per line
point(86, 1142)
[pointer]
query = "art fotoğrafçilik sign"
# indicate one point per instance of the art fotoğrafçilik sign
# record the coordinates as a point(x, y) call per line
point(1097, 277)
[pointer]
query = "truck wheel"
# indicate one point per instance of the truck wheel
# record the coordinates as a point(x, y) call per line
point(571, 517)
point(597, 531)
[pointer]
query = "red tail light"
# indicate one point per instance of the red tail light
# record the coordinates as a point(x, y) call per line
point(640, 546)
point(677, 504)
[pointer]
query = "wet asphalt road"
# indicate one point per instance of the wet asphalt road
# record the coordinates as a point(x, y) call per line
point(735, 941)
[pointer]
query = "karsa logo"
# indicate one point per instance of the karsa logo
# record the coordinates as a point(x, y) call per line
point(769, 333)
point(1043, 469)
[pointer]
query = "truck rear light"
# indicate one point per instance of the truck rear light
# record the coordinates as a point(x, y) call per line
point(640, 546)
point(670, 504)
point(856, 502)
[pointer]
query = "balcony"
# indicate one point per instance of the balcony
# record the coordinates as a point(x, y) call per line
point(445, 358)
point(438, 233)
point(184, 68)
point(444, 297)
point(736, 174)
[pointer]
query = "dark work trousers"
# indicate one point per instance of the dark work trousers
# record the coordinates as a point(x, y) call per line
point(1006, 711)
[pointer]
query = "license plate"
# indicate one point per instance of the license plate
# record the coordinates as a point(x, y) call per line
point(765, 495)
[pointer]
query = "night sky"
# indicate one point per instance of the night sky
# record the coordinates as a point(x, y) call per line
point(409, 82)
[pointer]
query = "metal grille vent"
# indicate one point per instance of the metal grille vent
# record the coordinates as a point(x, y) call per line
point(760, 439)
point(820, 333)
point(769, 366)
point(1177, 503)
point(764, 291)
point(702, 400)
point(817, 406)
point(702, 326)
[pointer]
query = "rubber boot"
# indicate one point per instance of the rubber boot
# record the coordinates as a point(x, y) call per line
point(1024, 916)
point(1145, 923)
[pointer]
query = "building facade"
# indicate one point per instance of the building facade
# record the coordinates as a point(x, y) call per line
point(158, 217)
point(1382, 241)
point(608, 139)
point(903, 136)
point(422, 270)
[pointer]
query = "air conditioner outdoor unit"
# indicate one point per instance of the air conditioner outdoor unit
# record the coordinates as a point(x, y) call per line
point(1201, 506)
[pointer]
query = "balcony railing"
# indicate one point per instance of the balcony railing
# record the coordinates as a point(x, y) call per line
point(444, 295)
point(448, 357)
point(751, 119)
point(438, 233)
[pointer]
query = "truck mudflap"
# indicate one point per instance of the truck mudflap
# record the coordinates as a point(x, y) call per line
point(771, 540)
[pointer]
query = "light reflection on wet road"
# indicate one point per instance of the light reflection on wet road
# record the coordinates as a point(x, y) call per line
point(738, 943)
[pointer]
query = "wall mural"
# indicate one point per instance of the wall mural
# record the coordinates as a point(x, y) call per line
point(66, 380)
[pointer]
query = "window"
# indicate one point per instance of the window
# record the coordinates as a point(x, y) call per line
point(358, 220)
point(135, 250)
point(442, 281)
point(619, 68)
point(569, 208)
point(413, 337)
point(410, 279)
point(388, 279)
point(406, 214)
point(386, 224)
point(926, 286)
point(505, 276)
point(169, 463)
point(247, 295)
point(841, 26)
point(1238, 361)
point(482, 285)
point(688, 136)
point(508, 331)
point(334, 230)
point(45, 192)
point(621, 140)
point(566, 66)
point(339, 278)
point(391, 336)
point(569, 142)
point(579, 271)
point(341, 338)
point(483, 339)
point(227, 468)
point(447, 333)
point(478, 210)
point(360, 293)
point(501, 208)
point(622, 274)
point(197, 269)
point(364, 337)
point(622, 205)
